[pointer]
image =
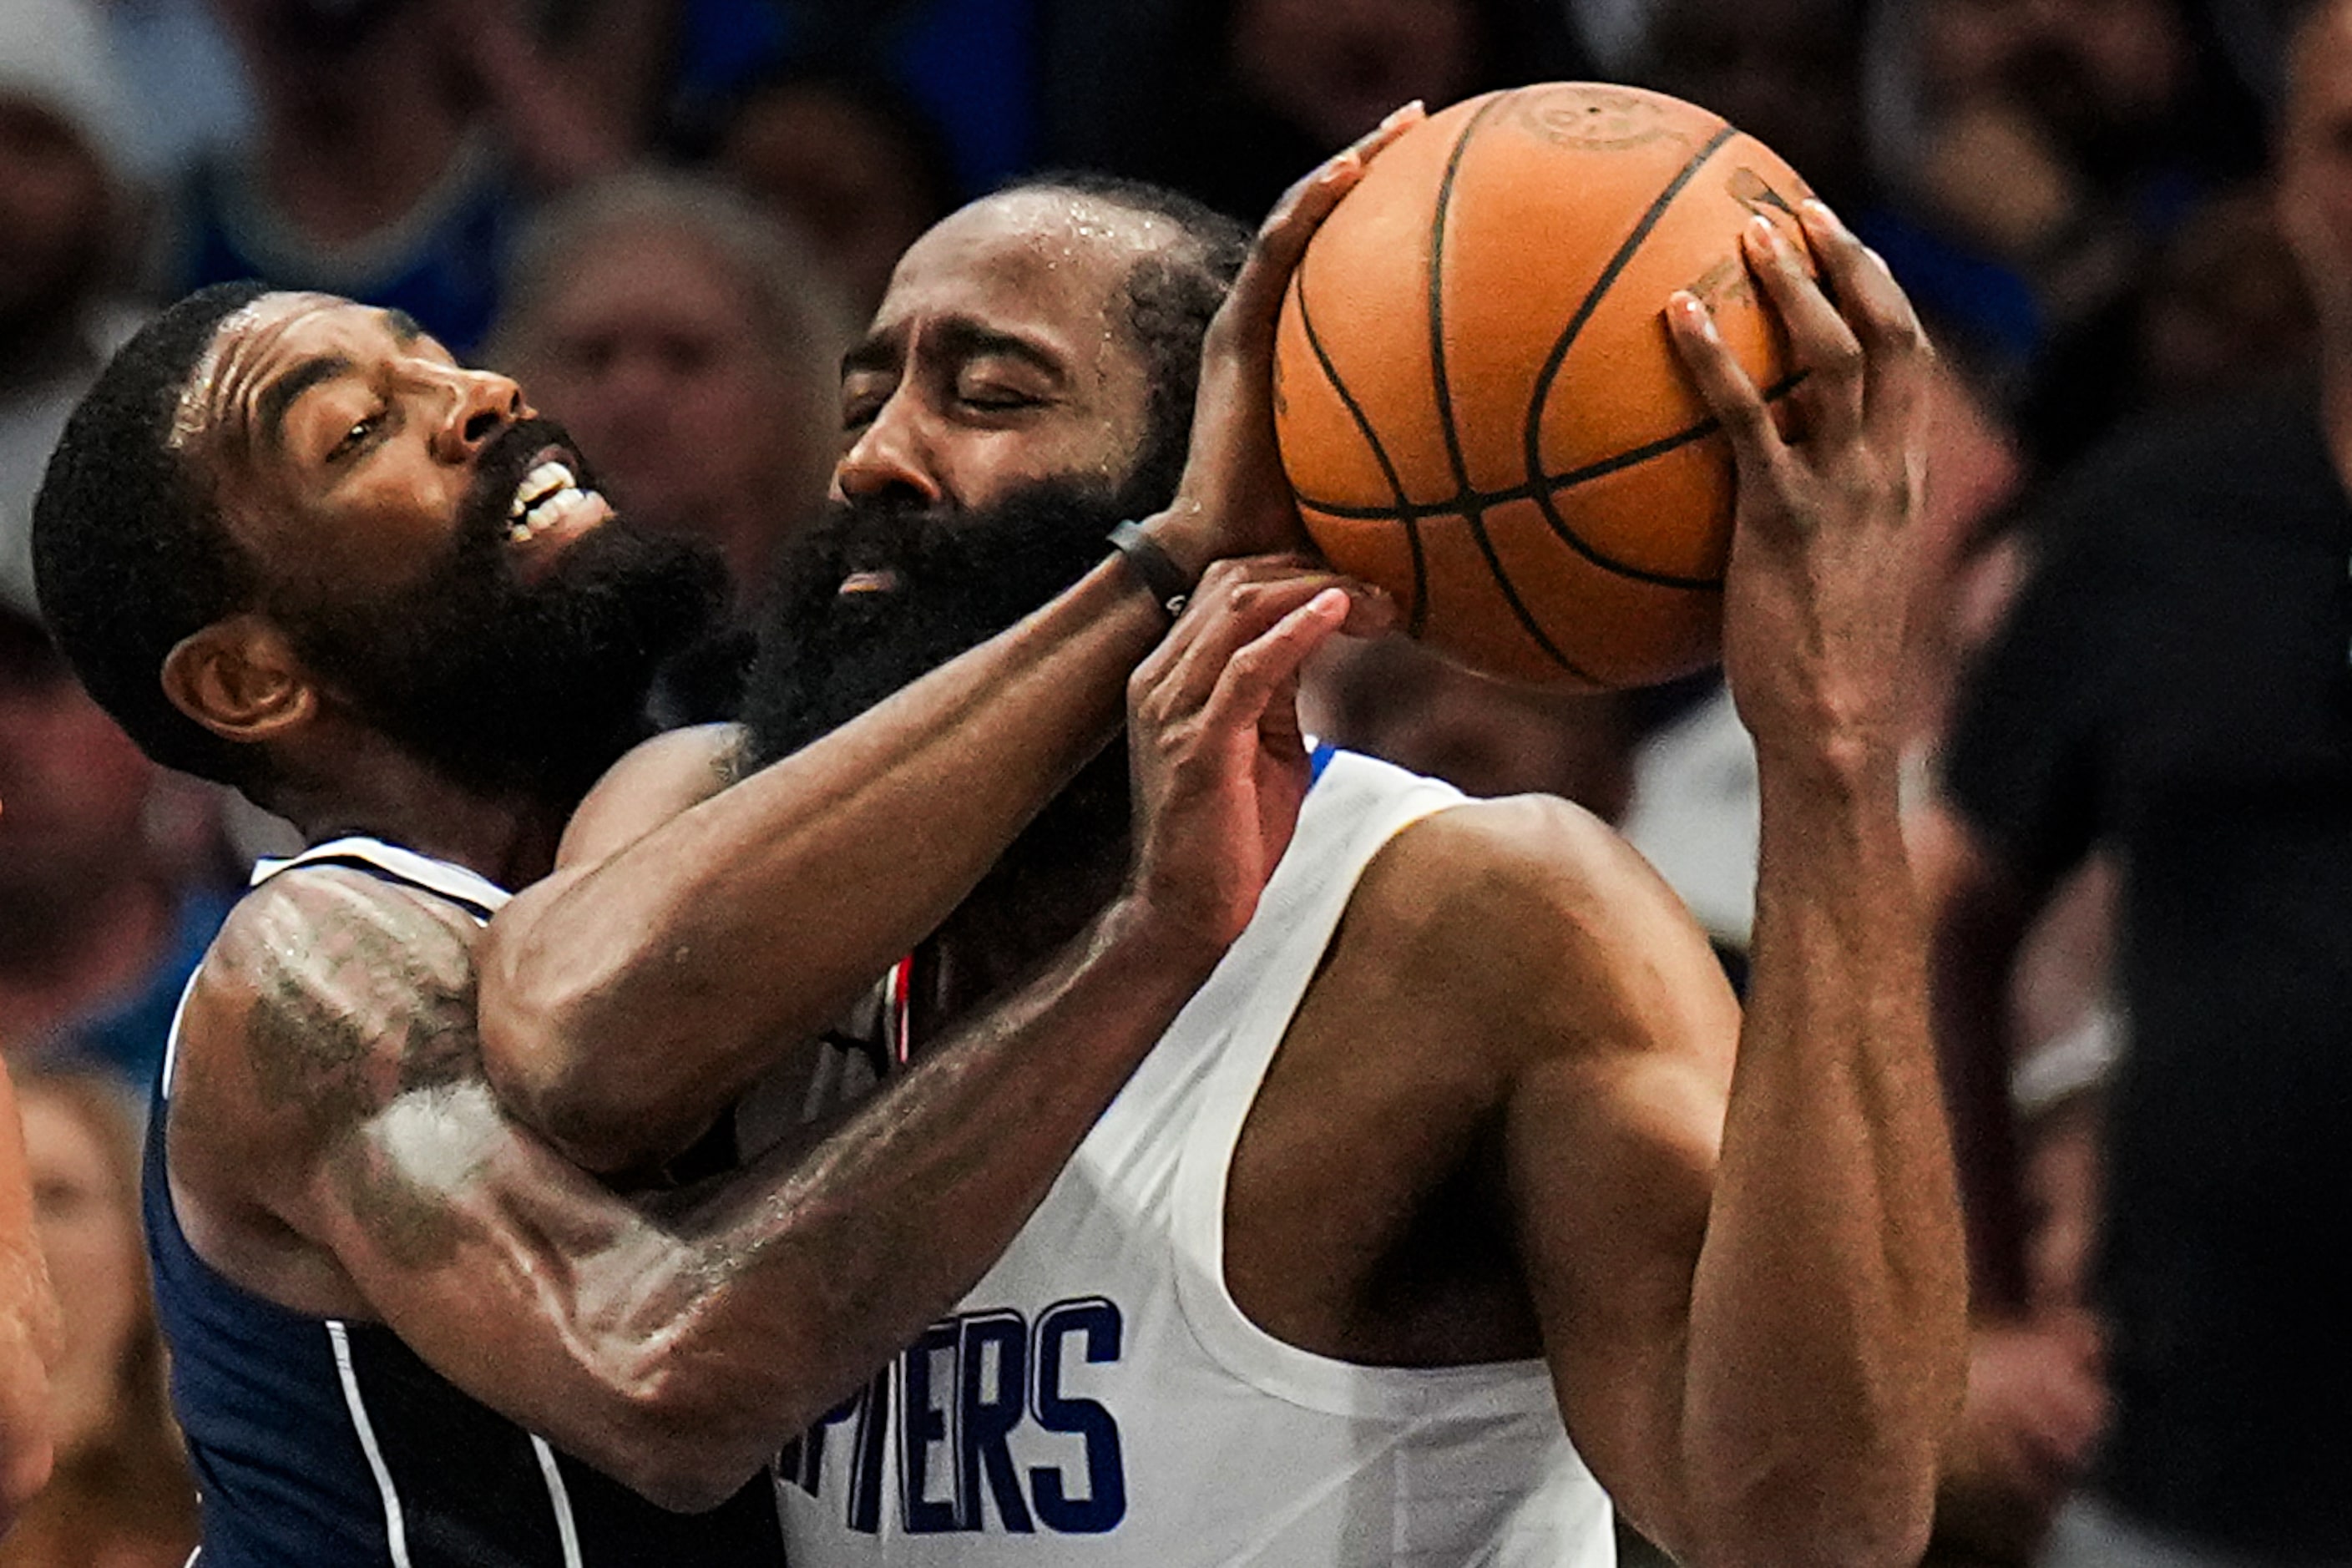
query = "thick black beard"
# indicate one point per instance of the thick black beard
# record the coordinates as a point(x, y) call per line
point(511, 687)
point(827, 657)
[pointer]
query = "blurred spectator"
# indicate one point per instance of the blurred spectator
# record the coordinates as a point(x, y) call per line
point(851, 162)
point(397, 139)
point(1788, 72)
point(692, 345)
point(64, 222)
point(2037, 1397)
point(2043, 150)
point(2225, 305)
point(98, 927)
point(188, 93)
point(1397, 700)
point(120, 1496)
point(1246, 95)
point(2172, 688)
point(367, 176)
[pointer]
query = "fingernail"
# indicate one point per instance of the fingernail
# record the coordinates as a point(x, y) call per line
point(1766, 234)
point(1819, 211)
point(1693, 312)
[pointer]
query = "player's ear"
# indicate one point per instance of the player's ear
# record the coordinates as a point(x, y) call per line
point(239, 678)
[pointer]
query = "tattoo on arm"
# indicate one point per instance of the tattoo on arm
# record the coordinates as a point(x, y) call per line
point(375, 1005)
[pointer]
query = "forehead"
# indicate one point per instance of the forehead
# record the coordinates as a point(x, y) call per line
point(259, 344)
point(1052, 263)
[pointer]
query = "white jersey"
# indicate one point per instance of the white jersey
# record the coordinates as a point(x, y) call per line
point(1101, 1398)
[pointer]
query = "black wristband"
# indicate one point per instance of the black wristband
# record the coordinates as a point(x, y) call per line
point(1154, 567)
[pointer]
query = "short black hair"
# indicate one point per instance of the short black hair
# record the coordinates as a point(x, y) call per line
point(130, 552)
point(1170, 298)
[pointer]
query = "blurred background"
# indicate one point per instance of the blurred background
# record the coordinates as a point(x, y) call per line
point(669, 216)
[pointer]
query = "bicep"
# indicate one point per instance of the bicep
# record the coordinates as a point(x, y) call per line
point(1612, 1138)
point(331, 1080)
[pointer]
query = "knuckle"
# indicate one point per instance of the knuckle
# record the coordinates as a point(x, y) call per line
point(1745, 417)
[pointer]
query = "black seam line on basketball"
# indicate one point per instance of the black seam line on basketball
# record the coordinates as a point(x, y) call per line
point(1525, 618)
point(1541, 394)
point(1438, 385)
point(1487, 500)
point(1600, 290)
point(1415, 617)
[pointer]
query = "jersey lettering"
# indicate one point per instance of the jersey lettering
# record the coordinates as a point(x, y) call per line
point(960, 1403)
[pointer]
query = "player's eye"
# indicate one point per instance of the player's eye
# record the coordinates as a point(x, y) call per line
point(355, 437)
point(994, 398)
point(862, 399)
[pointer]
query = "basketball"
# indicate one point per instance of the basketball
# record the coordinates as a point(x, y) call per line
point(1478, 404)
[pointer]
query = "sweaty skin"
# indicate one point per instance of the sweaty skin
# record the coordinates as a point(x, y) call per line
point(336, 1138)
point(1518, 1111)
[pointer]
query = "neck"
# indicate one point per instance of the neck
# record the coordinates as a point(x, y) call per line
point(380, 792)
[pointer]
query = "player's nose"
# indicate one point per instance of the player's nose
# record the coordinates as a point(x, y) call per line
point(482, 403)
point(889, 455)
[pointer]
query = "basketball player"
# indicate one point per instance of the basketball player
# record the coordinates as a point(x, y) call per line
point(291, 544)
point(1440, 1217)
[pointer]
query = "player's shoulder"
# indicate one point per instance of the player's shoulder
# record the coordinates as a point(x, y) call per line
point(1465, 866)
point(327, 990)
point(312, 921)
point(1534, 910)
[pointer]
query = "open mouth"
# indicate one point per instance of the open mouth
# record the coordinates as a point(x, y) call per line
point(549, 508)
point(549, 495)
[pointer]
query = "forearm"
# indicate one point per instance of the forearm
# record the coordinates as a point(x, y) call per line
point(801, 1286)
point(1827, 1323)
point(623, 1008)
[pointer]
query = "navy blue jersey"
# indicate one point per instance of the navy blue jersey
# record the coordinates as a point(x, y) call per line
point(320, 1442)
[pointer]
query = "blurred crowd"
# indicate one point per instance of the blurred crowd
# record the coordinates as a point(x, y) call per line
point(668, 217)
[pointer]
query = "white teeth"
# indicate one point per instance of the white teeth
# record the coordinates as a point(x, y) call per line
point(537, 485)
point(546, 512)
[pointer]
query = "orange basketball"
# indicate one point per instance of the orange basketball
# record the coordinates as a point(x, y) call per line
point(1478, 404)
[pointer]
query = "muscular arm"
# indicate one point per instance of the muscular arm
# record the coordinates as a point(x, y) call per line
point(1736, 1234)
point(753, 917)
point(331, 1079)
point(1766, 1368)
point(631, 983)
point(330, 1094)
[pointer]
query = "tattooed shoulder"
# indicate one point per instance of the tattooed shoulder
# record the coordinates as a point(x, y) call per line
point(361, 990)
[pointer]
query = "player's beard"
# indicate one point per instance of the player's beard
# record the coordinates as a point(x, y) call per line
point(924, 585)
point(507, 686)
point(953, 581)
